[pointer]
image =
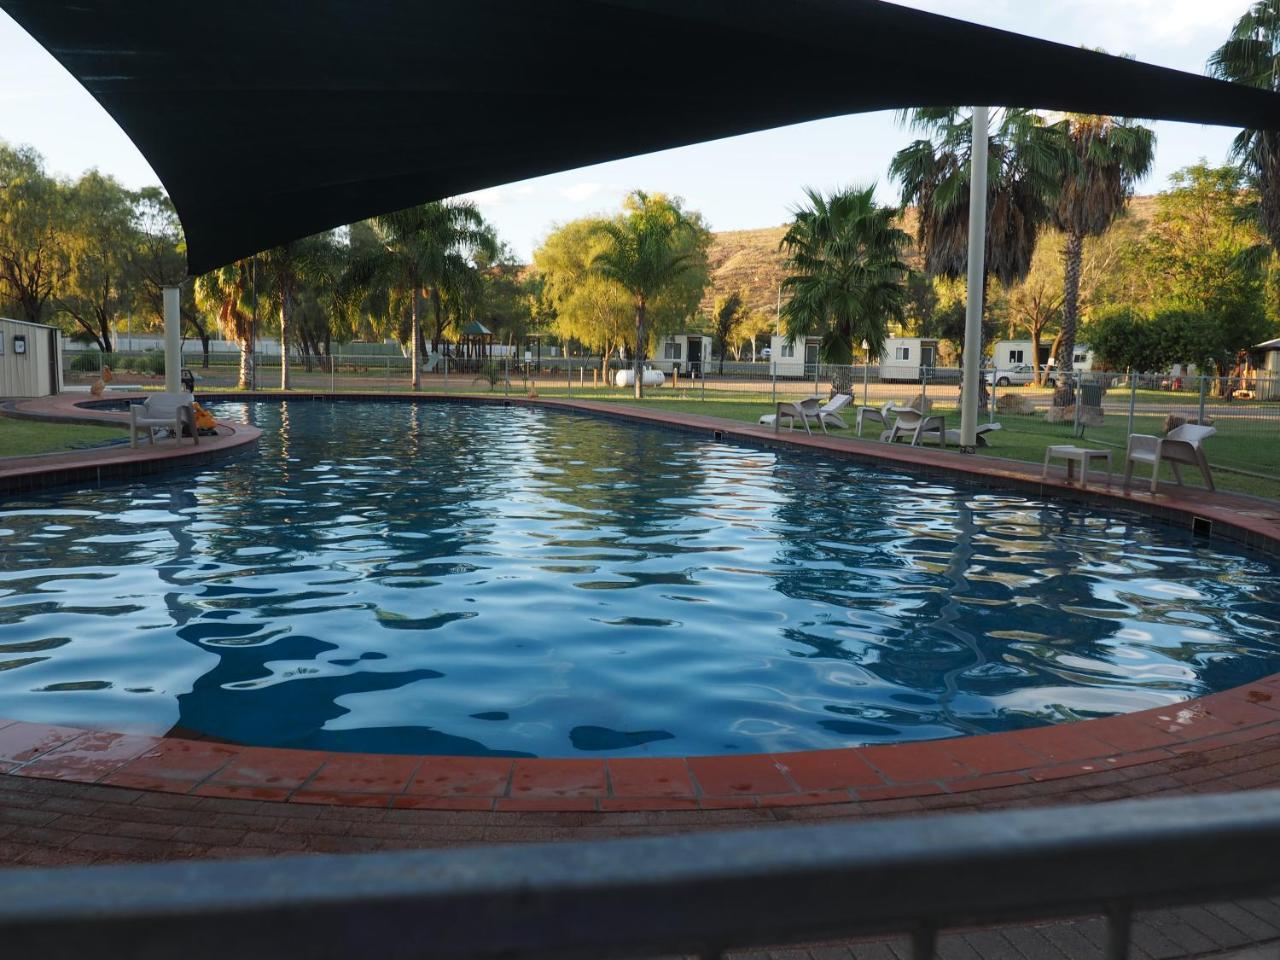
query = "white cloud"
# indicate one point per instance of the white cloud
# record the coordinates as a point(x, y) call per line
point(582, 192)
point(497, 196)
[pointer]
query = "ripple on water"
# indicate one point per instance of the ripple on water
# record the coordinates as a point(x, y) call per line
point(446, 579)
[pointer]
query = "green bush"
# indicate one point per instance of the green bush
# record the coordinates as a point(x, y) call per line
point(93, 361)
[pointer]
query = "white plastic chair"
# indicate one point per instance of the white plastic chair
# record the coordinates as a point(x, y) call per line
point(1181, 446)
point(162, 411)
point(829, 413)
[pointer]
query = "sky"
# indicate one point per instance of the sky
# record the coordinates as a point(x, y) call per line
point(739, 183)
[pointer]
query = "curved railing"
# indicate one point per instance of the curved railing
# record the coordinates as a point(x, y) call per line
point(701, 893)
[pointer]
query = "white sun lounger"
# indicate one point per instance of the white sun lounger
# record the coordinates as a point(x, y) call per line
point(1181, 446)
point(790, 411)
point(911, 423)
point(953, 436)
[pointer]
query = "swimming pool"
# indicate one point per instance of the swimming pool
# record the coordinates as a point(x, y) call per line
point(462, 579)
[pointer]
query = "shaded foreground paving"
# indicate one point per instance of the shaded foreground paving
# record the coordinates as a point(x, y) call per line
point(50, 822)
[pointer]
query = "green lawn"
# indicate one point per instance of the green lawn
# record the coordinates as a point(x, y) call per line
point(25, 438)
point(1026, 437)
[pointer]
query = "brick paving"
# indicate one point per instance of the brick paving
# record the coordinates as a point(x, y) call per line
point(71, 796)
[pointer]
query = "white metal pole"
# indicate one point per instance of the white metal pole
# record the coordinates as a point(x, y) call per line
point(172, 340)
point(977, 272)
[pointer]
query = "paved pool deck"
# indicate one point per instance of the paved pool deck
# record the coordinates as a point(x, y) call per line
point(72, 796)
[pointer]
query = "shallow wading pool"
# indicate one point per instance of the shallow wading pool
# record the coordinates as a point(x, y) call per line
point(458, 579)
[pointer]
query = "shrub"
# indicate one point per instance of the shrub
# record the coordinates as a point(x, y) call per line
point(93, 361)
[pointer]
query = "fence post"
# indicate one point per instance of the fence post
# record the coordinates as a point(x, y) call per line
point(1204, 385)
point(702, 377)
point(446, 373)
point(1133, 399)
point(866, 381)
point(568, 368)
point(333, 375)
point(1079, 382)
point(818, 366)
point(506, 377)
point(773, 377)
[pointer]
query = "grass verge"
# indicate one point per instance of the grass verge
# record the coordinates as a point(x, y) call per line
point(29, 438)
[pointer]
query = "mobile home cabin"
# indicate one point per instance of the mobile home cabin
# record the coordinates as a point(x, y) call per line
point(684, 353)
point(793, 360)
point(1007, 354)
point(1266, 357)
point(30, 359)
point(906, 358)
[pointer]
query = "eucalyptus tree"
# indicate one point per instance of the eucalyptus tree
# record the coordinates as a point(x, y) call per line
point(581, 304)
point(1105, 158)
point(33, 208)
point(655, 251)
point(99, 237)
point(845, 275)
point(426, 248)
point(1251, 55)
point(159, 259)
point(1024, 182)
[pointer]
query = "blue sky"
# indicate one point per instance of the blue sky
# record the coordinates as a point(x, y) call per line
point(739, 183)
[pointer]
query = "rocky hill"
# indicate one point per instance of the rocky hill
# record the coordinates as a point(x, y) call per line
point(750, 260)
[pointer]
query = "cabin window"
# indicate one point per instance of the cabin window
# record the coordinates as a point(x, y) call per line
point(1081, 357)
point(1015, 356)
point(902, 353)
point(788, 350)
point(673, 350)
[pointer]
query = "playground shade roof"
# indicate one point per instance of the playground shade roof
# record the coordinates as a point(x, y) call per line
point(272, 120)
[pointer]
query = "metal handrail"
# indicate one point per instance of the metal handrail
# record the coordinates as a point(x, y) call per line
point(700, 893)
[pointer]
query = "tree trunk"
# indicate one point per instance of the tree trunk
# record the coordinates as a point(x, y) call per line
point(1073, 259)
point(415, 338)
point(438, 311)
point(286, 310)
point(604, 367)
point(638, 365)
point(724, 348)
point(246, 365)
point(1035, 355)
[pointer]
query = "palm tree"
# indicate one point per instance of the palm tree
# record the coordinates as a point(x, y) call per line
point(424, 248)
point(728, 315)
point(223, 293)
point(1104, 160)
point(847, 279)
point(646, 252)
point(1024, 180)
point(1252, 56)
point(293, 267)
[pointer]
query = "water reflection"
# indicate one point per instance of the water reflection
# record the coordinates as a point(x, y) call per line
point(449, 579)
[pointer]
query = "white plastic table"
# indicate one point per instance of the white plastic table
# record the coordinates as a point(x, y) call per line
point(1073, 455)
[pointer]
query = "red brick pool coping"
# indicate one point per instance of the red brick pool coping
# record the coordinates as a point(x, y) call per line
point(1122, 747)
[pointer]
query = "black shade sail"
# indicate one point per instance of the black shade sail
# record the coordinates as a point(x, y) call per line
point(267, 120)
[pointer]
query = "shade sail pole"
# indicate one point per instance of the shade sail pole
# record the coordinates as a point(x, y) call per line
point(977, 274)
point(172, 339)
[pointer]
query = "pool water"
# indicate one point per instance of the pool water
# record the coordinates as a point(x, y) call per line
point(463, 579)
